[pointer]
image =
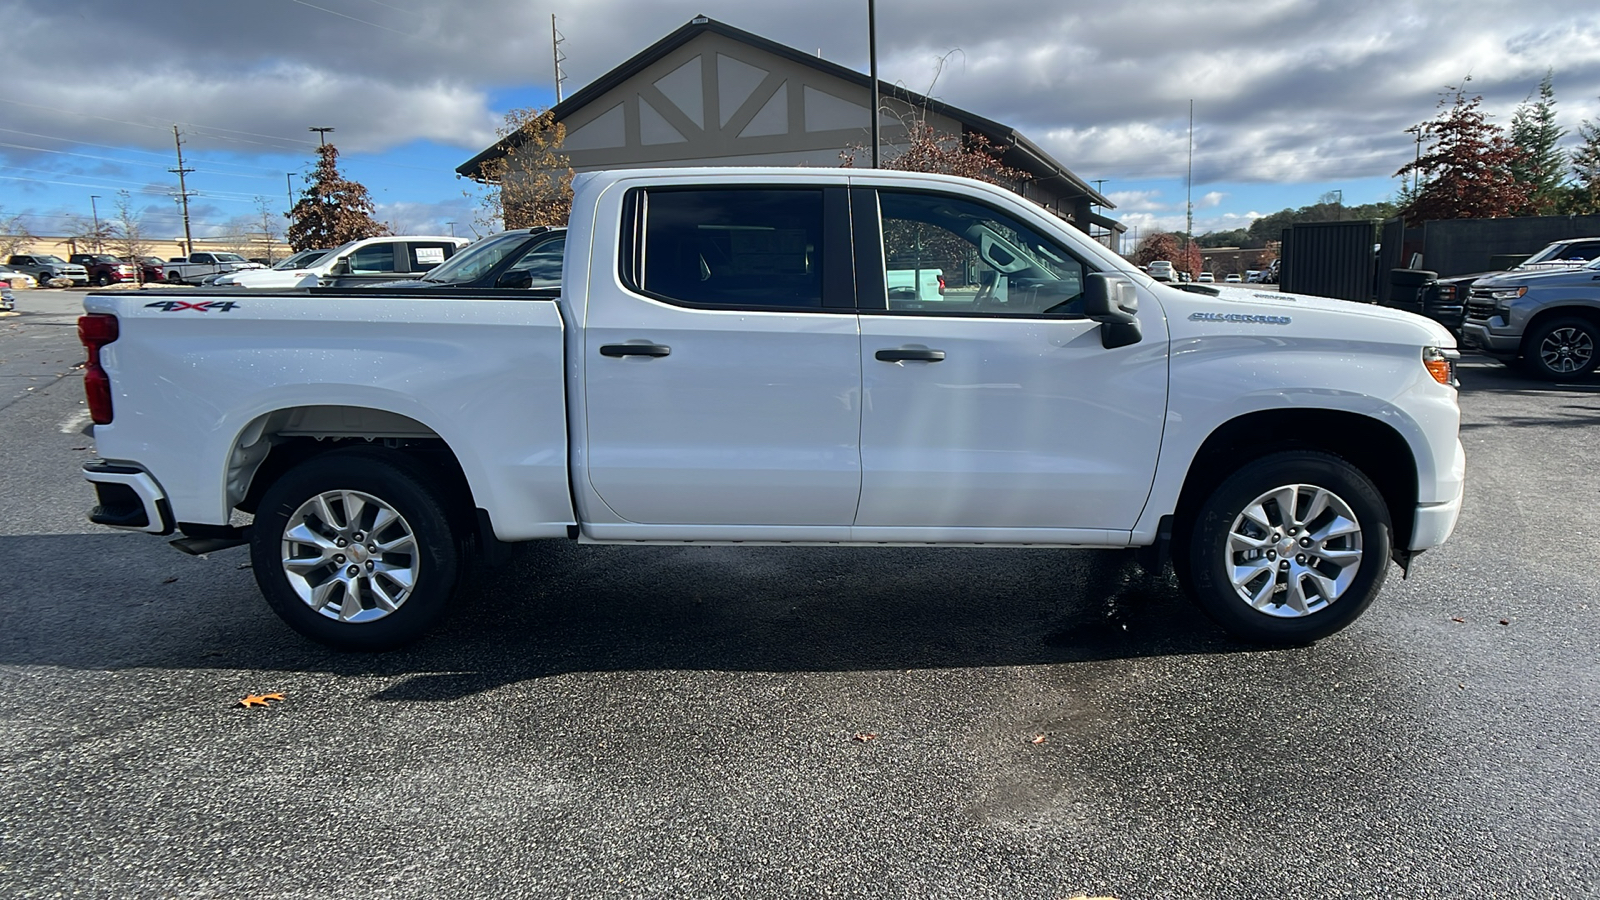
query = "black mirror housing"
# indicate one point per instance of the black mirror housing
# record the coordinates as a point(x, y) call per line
point(1113, 303)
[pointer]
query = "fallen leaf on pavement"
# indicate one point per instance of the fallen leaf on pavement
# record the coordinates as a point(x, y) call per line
point(1458, 619)
point(864, 736)
point(169, 580)
point(1505, 621)
point(258, 700)
point(1037, 739)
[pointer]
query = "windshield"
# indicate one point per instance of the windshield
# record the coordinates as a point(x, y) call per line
point(474, 262)
point(49, 259)
point(228, 257)
point(1594, 264)
point(303, 258)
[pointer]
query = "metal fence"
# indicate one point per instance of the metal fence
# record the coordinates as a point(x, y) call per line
point(1329, 259)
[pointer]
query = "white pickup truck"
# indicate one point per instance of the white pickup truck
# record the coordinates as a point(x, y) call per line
point(725, 364)
point(192, 268)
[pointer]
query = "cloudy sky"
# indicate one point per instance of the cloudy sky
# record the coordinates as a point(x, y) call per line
point(1292, 98)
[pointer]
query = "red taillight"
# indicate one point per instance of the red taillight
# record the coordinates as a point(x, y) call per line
point(941, 284)
point(97, 330)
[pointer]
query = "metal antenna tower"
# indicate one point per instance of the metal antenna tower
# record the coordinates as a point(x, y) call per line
point(556, 56)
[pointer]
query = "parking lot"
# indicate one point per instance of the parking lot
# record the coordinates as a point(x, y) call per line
point(698, 722)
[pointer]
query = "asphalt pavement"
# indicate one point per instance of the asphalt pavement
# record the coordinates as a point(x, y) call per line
point(777, 722)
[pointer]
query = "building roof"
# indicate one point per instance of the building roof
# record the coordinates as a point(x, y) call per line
point(1017, 151)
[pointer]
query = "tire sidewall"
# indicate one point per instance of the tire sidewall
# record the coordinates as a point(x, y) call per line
point(1207, 568)
point(397, 482)
point(1534, 360)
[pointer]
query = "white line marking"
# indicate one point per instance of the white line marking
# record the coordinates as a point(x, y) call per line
point(75, 422)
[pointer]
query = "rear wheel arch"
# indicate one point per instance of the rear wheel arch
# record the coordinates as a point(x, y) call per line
point(276, 443)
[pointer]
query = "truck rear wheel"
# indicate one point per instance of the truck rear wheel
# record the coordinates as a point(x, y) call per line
point(1289, 549)
point(354, 549)
point(1562, 349)
point(174, 278)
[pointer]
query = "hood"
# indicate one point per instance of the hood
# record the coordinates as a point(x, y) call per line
point(1532, 278)
point(1324, 314)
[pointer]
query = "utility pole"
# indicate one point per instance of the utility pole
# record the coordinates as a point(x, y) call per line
point(288, 183)
point(872, 53)
point(452, 228)
point(183, 192)
point(96, 213)
point(1188, 191)
point(322, 134)
point(556, 38)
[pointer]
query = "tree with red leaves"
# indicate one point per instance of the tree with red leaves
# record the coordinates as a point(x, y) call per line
point(331, 210)
point(1467, 170)
point(1184, 255)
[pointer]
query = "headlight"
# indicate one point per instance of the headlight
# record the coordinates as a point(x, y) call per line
point(1510, 293)
point(1441, 364)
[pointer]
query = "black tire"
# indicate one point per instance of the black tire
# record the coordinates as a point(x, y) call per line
point(1564, 349)
point(1211, 552)
point(102, 279)
point(431, 564)
point(174, 278)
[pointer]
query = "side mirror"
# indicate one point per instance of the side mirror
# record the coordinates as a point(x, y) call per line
point(342, 267)
point(1113, 303)
point(515, 279)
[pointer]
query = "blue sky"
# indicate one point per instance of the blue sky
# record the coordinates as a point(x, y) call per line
point(1292, 98)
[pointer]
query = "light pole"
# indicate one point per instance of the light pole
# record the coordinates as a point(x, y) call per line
point(452, 228)
point(94, 211)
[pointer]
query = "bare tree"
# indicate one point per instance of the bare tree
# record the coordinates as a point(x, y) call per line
point(14, 234)
point(531, 184)
point(239, 234)
point(127, 233)
point(270, 231)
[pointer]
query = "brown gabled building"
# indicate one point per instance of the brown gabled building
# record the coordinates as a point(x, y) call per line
point(709, 94)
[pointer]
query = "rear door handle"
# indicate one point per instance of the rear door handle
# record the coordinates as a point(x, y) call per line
point(634, 350)
point(904, 354)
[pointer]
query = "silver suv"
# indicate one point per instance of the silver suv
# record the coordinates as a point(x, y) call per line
point(46, 267)
point(1548, 319)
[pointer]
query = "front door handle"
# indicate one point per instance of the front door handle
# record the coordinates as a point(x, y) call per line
point(634, 350)
point(904, 354)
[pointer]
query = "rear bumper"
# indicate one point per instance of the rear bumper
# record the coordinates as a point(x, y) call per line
point(128, 498)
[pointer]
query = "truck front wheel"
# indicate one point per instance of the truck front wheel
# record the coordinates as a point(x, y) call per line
point(1562, 349)
point(354, 549)
point(1289, 549)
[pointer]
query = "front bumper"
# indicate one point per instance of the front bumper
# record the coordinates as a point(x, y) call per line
point(128, 498)
point(1477, 335)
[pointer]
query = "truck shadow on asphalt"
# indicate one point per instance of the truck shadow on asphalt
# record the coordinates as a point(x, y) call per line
point(558, 607)
point(1487, 387)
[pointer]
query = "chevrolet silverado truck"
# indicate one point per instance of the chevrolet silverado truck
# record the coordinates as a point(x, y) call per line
point(196, 266)
point(1548, 319)
point(724, 364)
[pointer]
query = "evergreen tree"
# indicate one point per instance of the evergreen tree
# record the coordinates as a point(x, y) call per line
point(1542, 167)
point(331, 210)
point(1585, 197)
point(1465, 173)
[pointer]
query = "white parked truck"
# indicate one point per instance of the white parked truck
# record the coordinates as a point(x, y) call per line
point(192, 268)
point(725, 364)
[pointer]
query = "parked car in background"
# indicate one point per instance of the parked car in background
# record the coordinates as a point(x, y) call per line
point(103, 268)
point(293, 262)
point(153, 268)
point(12, 278)
point(192, 269)
point(1233, 278)
point(1559, 256)
point(8, 303)
point(359, 263)
point(520, 259)
point(46, 267)
point(1252, 276)
point(1548, 319)
point(1206, 278)
point(1161, 270)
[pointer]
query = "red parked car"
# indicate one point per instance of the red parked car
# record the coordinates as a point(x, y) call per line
point(104, 268)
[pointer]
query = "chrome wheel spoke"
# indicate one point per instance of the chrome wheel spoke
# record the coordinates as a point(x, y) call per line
point(360, 581)
point(1278, 554)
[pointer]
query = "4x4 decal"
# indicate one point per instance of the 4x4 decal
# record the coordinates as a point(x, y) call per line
point(202, 306)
